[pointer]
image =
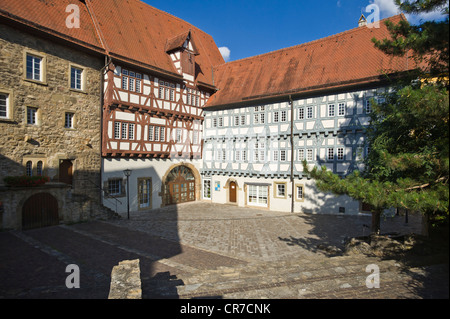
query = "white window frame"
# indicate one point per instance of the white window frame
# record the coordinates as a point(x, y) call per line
point(6, 106)
point(330, 154)
point(341, 109)
point(309, 112)
point(34, 76)
point(331, 110)
point(257, 193)
point(69, 118)
point(206, 187)
point(32, 115)
point(76, 82)
point(340, 153)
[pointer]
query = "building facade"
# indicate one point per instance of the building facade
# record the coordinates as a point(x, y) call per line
point(50, 120)
point(273, 111)
point(127, 107)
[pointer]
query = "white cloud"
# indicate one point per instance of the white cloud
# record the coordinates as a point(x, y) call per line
point(388, 8)
point(225, 53)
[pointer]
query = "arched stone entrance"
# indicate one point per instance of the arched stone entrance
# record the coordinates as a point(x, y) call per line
point(180, 184)
point(40, 210)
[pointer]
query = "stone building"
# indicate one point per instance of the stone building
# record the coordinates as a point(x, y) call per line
point(50, 115)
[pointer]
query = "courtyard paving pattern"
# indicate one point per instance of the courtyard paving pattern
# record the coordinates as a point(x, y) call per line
point(202, 250)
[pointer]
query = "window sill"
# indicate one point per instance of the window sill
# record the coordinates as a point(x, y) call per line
point(36, 82)
point(78, 91)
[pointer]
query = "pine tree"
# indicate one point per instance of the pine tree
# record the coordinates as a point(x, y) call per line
point(408, 163)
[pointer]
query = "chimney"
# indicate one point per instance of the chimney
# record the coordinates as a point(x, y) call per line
point(362, 21)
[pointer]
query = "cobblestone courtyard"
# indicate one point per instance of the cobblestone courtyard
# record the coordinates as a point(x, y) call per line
point(200, 250)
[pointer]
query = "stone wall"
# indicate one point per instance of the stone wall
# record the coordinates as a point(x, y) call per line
point(49, 141)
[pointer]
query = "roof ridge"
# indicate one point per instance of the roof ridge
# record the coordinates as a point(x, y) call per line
point(308, 43)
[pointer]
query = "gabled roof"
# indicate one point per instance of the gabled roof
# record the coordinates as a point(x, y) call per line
point(340, 60)
point(129, 30)
point(178, 42)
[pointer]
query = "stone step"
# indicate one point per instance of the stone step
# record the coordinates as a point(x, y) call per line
point(345, 272)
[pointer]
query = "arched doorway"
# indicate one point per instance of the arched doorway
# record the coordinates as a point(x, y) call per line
point(40, 210)
point(179, 186)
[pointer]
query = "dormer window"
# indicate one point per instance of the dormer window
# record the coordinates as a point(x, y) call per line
point(183, 51)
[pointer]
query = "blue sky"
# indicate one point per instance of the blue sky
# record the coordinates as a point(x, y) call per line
point(251, 27)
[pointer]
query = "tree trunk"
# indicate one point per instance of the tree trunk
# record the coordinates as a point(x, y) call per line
point(376, 217)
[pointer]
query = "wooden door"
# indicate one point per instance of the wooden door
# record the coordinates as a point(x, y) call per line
point(40, 210)
point(180, 186)
point(232, 190)
point(66, 171)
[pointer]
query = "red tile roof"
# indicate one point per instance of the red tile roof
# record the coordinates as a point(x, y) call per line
point(342, 59)
point(50, 16)
point(129, 30)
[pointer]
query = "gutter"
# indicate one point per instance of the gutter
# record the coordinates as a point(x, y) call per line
point(292, 154)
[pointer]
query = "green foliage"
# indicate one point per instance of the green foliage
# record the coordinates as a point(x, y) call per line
point(427, 41)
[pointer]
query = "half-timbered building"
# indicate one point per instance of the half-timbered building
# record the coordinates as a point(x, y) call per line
point(159, 78)
point(273, 111)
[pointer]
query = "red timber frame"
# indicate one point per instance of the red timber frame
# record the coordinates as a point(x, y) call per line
point(127, 117)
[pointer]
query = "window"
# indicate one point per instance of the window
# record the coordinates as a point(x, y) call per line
point(34, 67)
point(207, 189)
point(214, 122)
point(4, 105)
point(162, 134)
point(331, 110)
point(259, 116)
point(330, 154)
point(151, 129)
point(244, 155)
point(76, 78)
point(179, 135)
point(280, 190)
point(309, 155)
point(116, 130)
point(144, 193)
point(29, 168)
point(236, 121)
point(341, 109)
point(124, 131)
point(68, 120)
point(299, 192)
point(156, 133)
point(131, 81)
point(301, 155)
point(283, 116)
point(275, 156)
point(340, 153)
point(237, 155)
point(220, 121)
point(39, 168)
point(257, 195)
point(368, 107)
point(282, 155)
point(301, 113)
point(276, 117)
point(131, 131)
point(309, 112)
point(32, 115)
point(115, 186)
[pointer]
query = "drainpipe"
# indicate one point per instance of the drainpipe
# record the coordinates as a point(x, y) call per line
point(292, 154)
